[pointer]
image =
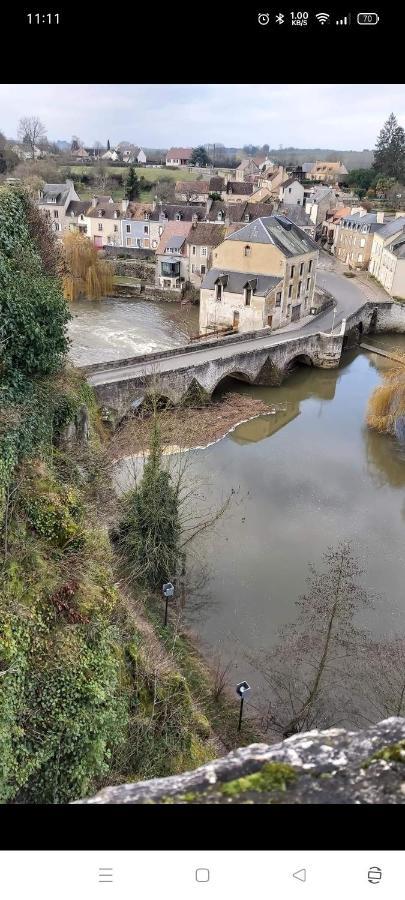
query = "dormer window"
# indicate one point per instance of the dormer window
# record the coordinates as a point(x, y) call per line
point(247, 250)
point(220, 216)
point(178, 217)
point(218, 292)
point(247, 217)
point(248, 295)
point(146, 216)
point(115, 214)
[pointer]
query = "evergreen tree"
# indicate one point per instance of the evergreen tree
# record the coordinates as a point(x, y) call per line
point(199, 157)
point(108, 145)
point(389, 154)
point(151, 527)
point(132, 185)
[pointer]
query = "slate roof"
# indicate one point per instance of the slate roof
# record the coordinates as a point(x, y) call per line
point(206, 234)
point(287, 183)
point(236, 212)
point(55, 192)
point(77, 207)
point(217, 184)
point(398, 248)
point(295, 213)
point(106, 209)
point(307, 167)
point(370, 219)
point(277, 230)
point(391, 228)
point(236, 281)
point(239, 187)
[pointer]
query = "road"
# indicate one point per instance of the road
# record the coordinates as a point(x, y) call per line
point(349, 297)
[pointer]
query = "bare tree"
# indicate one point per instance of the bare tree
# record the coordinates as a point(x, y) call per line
point(312, 669)
point(381, 678)
point(31, 131)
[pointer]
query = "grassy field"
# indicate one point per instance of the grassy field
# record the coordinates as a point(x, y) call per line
point(148, 174)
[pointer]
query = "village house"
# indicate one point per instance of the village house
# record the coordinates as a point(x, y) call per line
point(318, 201)
point(172, 262)
point(111, 155)
point(354, 237)
point(332, 219)
point(103, 221)
point(179, 156)
point(53, 201)
point(238, 190)
point(80, 153)
point(201, 240)
point(75, 216)
point(328, 172)
point(296, 172)
point(144, 223)
point(24, 151)
point(192, 191)
point(388, 256)
point(291, 192)
point(262, 275)
point(252, 165)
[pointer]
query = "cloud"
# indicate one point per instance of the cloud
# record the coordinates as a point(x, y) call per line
point(338, 116)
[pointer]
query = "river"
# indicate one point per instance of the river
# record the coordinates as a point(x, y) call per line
point(116, 329)
point(304, 479)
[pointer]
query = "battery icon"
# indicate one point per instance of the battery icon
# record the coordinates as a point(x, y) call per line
point(368, 18)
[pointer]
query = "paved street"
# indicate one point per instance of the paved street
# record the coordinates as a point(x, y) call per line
point(349, 297)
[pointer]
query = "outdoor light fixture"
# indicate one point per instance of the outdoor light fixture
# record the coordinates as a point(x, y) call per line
point(168, 592)
point(242, 689)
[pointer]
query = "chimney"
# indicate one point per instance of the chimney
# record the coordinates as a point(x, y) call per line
point(124, 205)
point(380, 217)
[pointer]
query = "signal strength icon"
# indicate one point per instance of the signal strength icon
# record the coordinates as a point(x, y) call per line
point(344, 21)
point(322, 17)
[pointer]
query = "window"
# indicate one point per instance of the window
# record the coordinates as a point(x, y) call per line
point(289, 190)
point(308, 283)
point(129, 242)
point(299, 289)
point(128, 227)
point(203, 270)
point(218, 292)
point(290, 291)
point(146, 229)
point(362, 242)
point(194, 249)
point(360, 257)
point(203, 251)
point(56, 214)
point(310, 266)
point(288, 309)
point(278, 298)
point(292, 271)
point(192, 270)
point(100, 226)
point(115, 228)
point(154, 244)
point(247, 251)
point(248, 296)
point(301, 268)
point(57, 226)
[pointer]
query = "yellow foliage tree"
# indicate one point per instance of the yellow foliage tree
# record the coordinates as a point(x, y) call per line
point(386, 407)
point(85, 273)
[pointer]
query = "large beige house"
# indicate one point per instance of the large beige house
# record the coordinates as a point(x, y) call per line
point(329, 172)
point(387, 259)
point(103, 220)
point(262, 275)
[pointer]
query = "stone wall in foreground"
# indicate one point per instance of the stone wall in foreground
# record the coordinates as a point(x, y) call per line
point(334, 766)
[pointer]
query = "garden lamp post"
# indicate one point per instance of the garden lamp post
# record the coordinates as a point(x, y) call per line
point(242, 689)
point(168, 592)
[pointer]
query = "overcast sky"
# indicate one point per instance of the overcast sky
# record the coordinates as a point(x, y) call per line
point(338, 116)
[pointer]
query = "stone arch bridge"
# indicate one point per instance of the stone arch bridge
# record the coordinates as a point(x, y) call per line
point(260, 358)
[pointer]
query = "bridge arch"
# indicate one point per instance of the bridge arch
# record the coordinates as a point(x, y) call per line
point(235, 374)
point(299, 359)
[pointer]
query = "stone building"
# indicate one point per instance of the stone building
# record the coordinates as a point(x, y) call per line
point(262, 275)
point(202, 239)
point(354, 236)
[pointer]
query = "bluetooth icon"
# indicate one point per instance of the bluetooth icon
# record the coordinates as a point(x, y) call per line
point(280, 19)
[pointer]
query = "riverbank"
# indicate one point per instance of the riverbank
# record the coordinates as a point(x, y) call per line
point(190, 427)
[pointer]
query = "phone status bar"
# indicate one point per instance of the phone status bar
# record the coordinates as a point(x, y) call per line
point(323, 20)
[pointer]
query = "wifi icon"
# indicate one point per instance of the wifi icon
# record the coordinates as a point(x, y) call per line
point(322, 17)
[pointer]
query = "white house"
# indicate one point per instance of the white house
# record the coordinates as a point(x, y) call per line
point(291, 192)
point(179, 156)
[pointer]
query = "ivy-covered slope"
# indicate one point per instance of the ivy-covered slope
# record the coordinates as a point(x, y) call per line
point(80, 700)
